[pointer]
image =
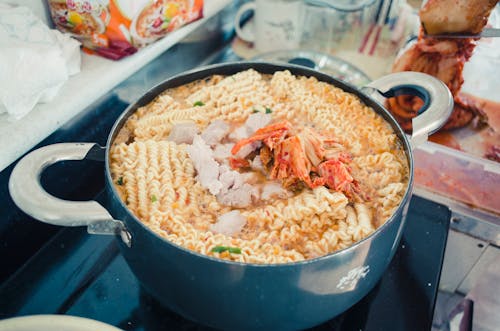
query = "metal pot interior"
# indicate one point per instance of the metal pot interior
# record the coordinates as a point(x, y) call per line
point(265, 68)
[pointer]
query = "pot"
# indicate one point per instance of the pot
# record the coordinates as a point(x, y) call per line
point(226, 294)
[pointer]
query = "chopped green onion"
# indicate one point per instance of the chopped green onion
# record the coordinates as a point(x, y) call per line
point(119, 181)
point(220, 249)
point(154, 198)
point(255, 111)
point(268, 110)
point(234, 250)
point(198, 103)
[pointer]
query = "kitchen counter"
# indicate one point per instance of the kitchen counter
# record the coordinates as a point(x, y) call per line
point(97, 77)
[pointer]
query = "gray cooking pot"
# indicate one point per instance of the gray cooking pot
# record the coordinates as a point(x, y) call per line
point(231, 295)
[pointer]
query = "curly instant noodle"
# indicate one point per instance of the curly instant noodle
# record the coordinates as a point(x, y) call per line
point(205, 166)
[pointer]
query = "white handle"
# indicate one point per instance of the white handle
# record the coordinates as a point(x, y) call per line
point(29, 195)
point(438, 101)
point(247, 35)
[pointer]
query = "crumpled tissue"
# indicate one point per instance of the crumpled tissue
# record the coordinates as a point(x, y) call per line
point(35, 61)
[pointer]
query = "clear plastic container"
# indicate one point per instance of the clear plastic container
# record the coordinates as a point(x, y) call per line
point(461, 177)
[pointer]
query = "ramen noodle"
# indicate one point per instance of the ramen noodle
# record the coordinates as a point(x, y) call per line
point(116, 28)
point(259, 168)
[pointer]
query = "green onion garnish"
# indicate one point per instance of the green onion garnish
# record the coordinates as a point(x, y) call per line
point(255, 111)
point(198, 103)
point(268, 110)
point(154, 198)
point(119, 181)
point(220, 249)
point(234, 250)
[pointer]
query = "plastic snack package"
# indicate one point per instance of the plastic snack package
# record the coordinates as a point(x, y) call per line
point(117, 28)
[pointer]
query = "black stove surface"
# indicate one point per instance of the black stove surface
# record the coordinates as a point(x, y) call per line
point(85, 275)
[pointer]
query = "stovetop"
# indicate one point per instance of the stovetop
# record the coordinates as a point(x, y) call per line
point(85, 275)
point(49, 270)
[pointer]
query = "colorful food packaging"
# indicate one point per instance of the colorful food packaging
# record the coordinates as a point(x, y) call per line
point(117, 28)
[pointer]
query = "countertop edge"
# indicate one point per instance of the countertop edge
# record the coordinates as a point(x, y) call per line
point(99, 75)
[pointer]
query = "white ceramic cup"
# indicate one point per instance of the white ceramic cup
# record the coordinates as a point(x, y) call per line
point(276, 24)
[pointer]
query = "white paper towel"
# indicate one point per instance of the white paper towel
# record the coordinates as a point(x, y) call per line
point(35, 61)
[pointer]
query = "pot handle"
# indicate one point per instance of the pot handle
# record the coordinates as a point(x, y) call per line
point(438, 100)
point(29, 195)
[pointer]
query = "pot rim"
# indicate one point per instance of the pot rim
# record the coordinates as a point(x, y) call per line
point(206, 71)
